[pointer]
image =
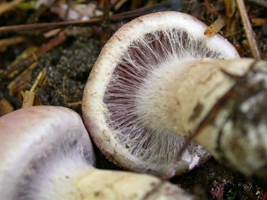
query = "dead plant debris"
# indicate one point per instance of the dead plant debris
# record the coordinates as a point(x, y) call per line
point(48, 48)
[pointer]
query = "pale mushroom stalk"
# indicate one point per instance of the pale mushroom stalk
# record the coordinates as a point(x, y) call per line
point(228, 113)
point(150, 82)
point(223, 103)
point(46, 154)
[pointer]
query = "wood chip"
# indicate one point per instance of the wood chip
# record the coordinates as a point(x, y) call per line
point(4, 7)
point(259, 22)
point(248, 30)
point(230, 7)
point(215, 27)
point(5, 107)
point(30, 99)
point(26, 53)
point(21, 80)
point(4, 43)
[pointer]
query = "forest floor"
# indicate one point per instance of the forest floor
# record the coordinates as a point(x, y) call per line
point(48, 47)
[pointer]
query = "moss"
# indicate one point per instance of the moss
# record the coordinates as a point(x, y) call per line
point(66, 72)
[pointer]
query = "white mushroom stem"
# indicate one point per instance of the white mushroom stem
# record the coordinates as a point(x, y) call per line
point(168, 98)
point(233, 122)
point(46, 154)
point(158, 105)
point(224, 102)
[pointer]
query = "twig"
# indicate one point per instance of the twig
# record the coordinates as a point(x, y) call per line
point(21, 80)
point(36, 82)
point(67, 11)
point(8, 6)
point(105, 22)
point(259, 2)
point(19, 60)
point(48, 26)
point(248, 30)
point(45, 48)
point(33, 18)
point(230, 12)
point(13, 100)
point(133, 5)
point(119, 4)
point(74, 104)
point(4, 43)
point(5, 107)
point(30, 99)
point(140, 11)
point(216, 26)
point(95, 21)
point(230, 8)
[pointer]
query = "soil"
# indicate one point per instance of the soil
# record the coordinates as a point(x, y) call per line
point(66, 58)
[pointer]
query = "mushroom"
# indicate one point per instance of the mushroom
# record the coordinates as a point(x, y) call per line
point(46, 154)
point(228, 114)
point(130, 103)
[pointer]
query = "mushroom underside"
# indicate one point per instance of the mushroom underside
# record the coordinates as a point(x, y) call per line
point(139, 83)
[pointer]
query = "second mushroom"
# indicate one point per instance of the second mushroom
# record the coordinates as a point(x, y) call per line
point(46, 154)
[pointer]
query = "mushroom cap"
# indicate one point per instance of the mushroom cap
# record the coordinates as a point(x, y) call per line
point(34, 138)
point(111, 96)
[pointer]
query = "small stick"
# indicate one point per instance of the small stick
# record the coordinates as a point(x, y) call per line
point(119, 4)
point(248, 30)
point(43, 49)
point(67, 11)
point(74, 104)
point(259, 2)
point(36, 82)
point(91, 22)
point(4, 7)
point(13, 100)
point(18, 61)
point(4, 43)
point(133, 5)
point(216, 26)
point(28, 99)
point(20, 80)
point(230, 8)
point(105, 22)
point(5, 107)
point(48, 26)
